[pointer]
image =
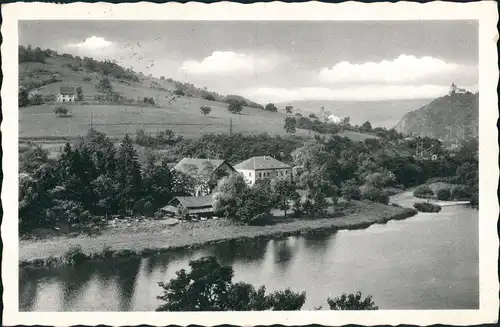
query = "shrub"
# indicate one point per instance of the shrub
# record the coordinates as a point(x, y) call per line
point(179, 92)
point(74, 255)
point(444, 194)
point(49, 98)
point(461, 192)
point(423, 191)
point(205, 110)
point(352, 302)
point(86, 79)
point(374, 194)
point(427, 207)
point(235, 107)
point(61, 111)
point(271, 107)
point(209, 97)
point(313, 116)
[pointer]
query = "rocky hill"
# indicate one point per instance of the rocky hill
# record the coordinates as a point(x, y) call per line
point(451, 117)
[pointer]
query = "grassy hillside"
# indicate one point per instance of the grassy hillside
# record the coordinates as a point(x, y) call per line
point(450, 118)
point(176, 105)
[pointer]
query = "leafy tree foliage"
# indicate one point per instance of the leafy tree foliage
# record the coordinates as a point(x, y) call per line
point(271, 107)
point(235, 107)
point(205, 110)
point(288, 109)
point(79, 94)
point(208, 286)
point(237, 147)
point(290, 125)
point(104, 86)
point(352, 302)
point(61, 111)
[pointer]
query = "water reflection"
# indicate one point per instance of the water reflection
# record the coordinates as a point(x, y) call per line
point(244, 252)
point(393, 264)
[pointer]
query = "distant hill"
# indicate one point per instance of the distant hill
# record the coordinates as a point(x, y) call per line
point(384, 113)
point(451, 117)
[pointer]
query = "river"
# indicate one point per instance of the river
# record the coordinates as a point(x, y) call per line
point(429, 261)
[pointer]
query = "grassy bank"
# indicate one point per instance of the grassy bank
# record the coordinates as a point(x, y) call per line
point(147, 238)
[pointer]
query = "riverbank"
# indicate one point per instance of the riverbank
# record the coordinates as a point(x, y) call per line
point(147, 238)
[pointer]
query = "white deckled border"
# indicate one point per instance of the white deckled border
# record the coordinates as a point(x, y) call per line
point(485, 12)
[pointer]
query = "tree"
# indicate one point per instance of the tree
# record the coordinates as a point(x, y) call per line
point(104, 86)
point(286, 192)
point(374, 194)
point(208, 286)
point(290, 125)
point(205, 110)
point(37, 99)
point(366, 127)
point(346, 122)
point(235, 107)
point(352, 302)
point(128, 174)
point(288, 109)
point(271, 107)
point(312, 116)
point(79, 94)
point(350, 190)
point(23, 99)
point(61, 111)
point(228, 190)
point(162, 78)
point(423, 191)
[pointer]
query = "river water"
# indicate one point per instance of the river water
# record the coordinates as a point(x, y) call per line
point(429, 261)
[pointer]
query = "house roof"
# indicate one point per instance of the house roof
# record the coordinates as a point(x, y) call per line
point(192, 202)
point(67, 90)
point(261, 162)
point(198, 167)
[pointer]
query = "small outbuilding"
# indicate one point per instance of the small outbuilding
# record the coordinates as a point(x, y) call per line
point(196, 206)
point(66, 94)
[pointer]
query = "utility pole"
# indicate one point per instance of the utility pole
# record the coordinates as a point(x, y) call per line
point(230, 126)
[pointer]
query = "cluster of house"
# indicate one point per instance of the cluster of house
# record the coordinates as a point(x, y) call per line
point(199, 204)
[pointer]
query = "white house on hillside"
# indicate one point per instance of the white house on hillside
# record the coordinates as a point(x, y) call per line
point(262, 167)
point(66, 94)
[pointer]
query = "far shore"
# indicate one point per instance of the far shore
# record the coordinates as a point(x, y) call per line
point(155, 236)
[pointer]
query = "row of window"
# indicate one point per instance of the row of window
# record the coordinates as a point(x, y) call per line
point(267, 174)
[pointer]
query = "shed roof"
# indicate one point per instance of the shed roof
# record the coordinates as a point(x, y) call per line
point(191, 202)
point(261, 162)
point(67, 90)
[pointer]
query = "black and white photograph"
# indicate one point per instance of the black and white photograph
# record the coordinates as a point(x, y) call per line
point(235, 165)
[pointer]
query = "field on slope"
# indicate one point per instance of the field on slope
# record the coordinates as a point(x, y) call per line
point(183, 117)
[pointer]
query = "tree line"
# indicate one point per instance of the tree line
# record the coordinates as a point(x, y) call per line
point(91, 181)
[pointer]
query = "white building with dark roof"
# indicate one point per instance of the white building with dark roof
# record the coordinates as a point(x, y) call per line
point(263, 167)
point(66, 94)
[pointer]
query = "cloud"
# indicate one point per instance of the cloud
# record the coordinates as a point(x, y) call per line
point(404, 68)
point(92, 43)
point(357, 93)
point(228, 63)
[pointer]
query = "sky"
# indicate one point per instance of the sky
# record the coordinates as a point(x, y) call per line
point(281, 61)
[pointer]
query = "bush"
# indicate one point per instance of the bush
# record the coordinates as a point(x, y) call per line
point(209, 97)
point(427, 207)
point(423, 191)
point(74, 255)
point(61, 111)
point(374, 194)
point(205, 110)
point(86, 79)
point(444, 194)
point(235, 107)
point(461, 192)
point(179, 92)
